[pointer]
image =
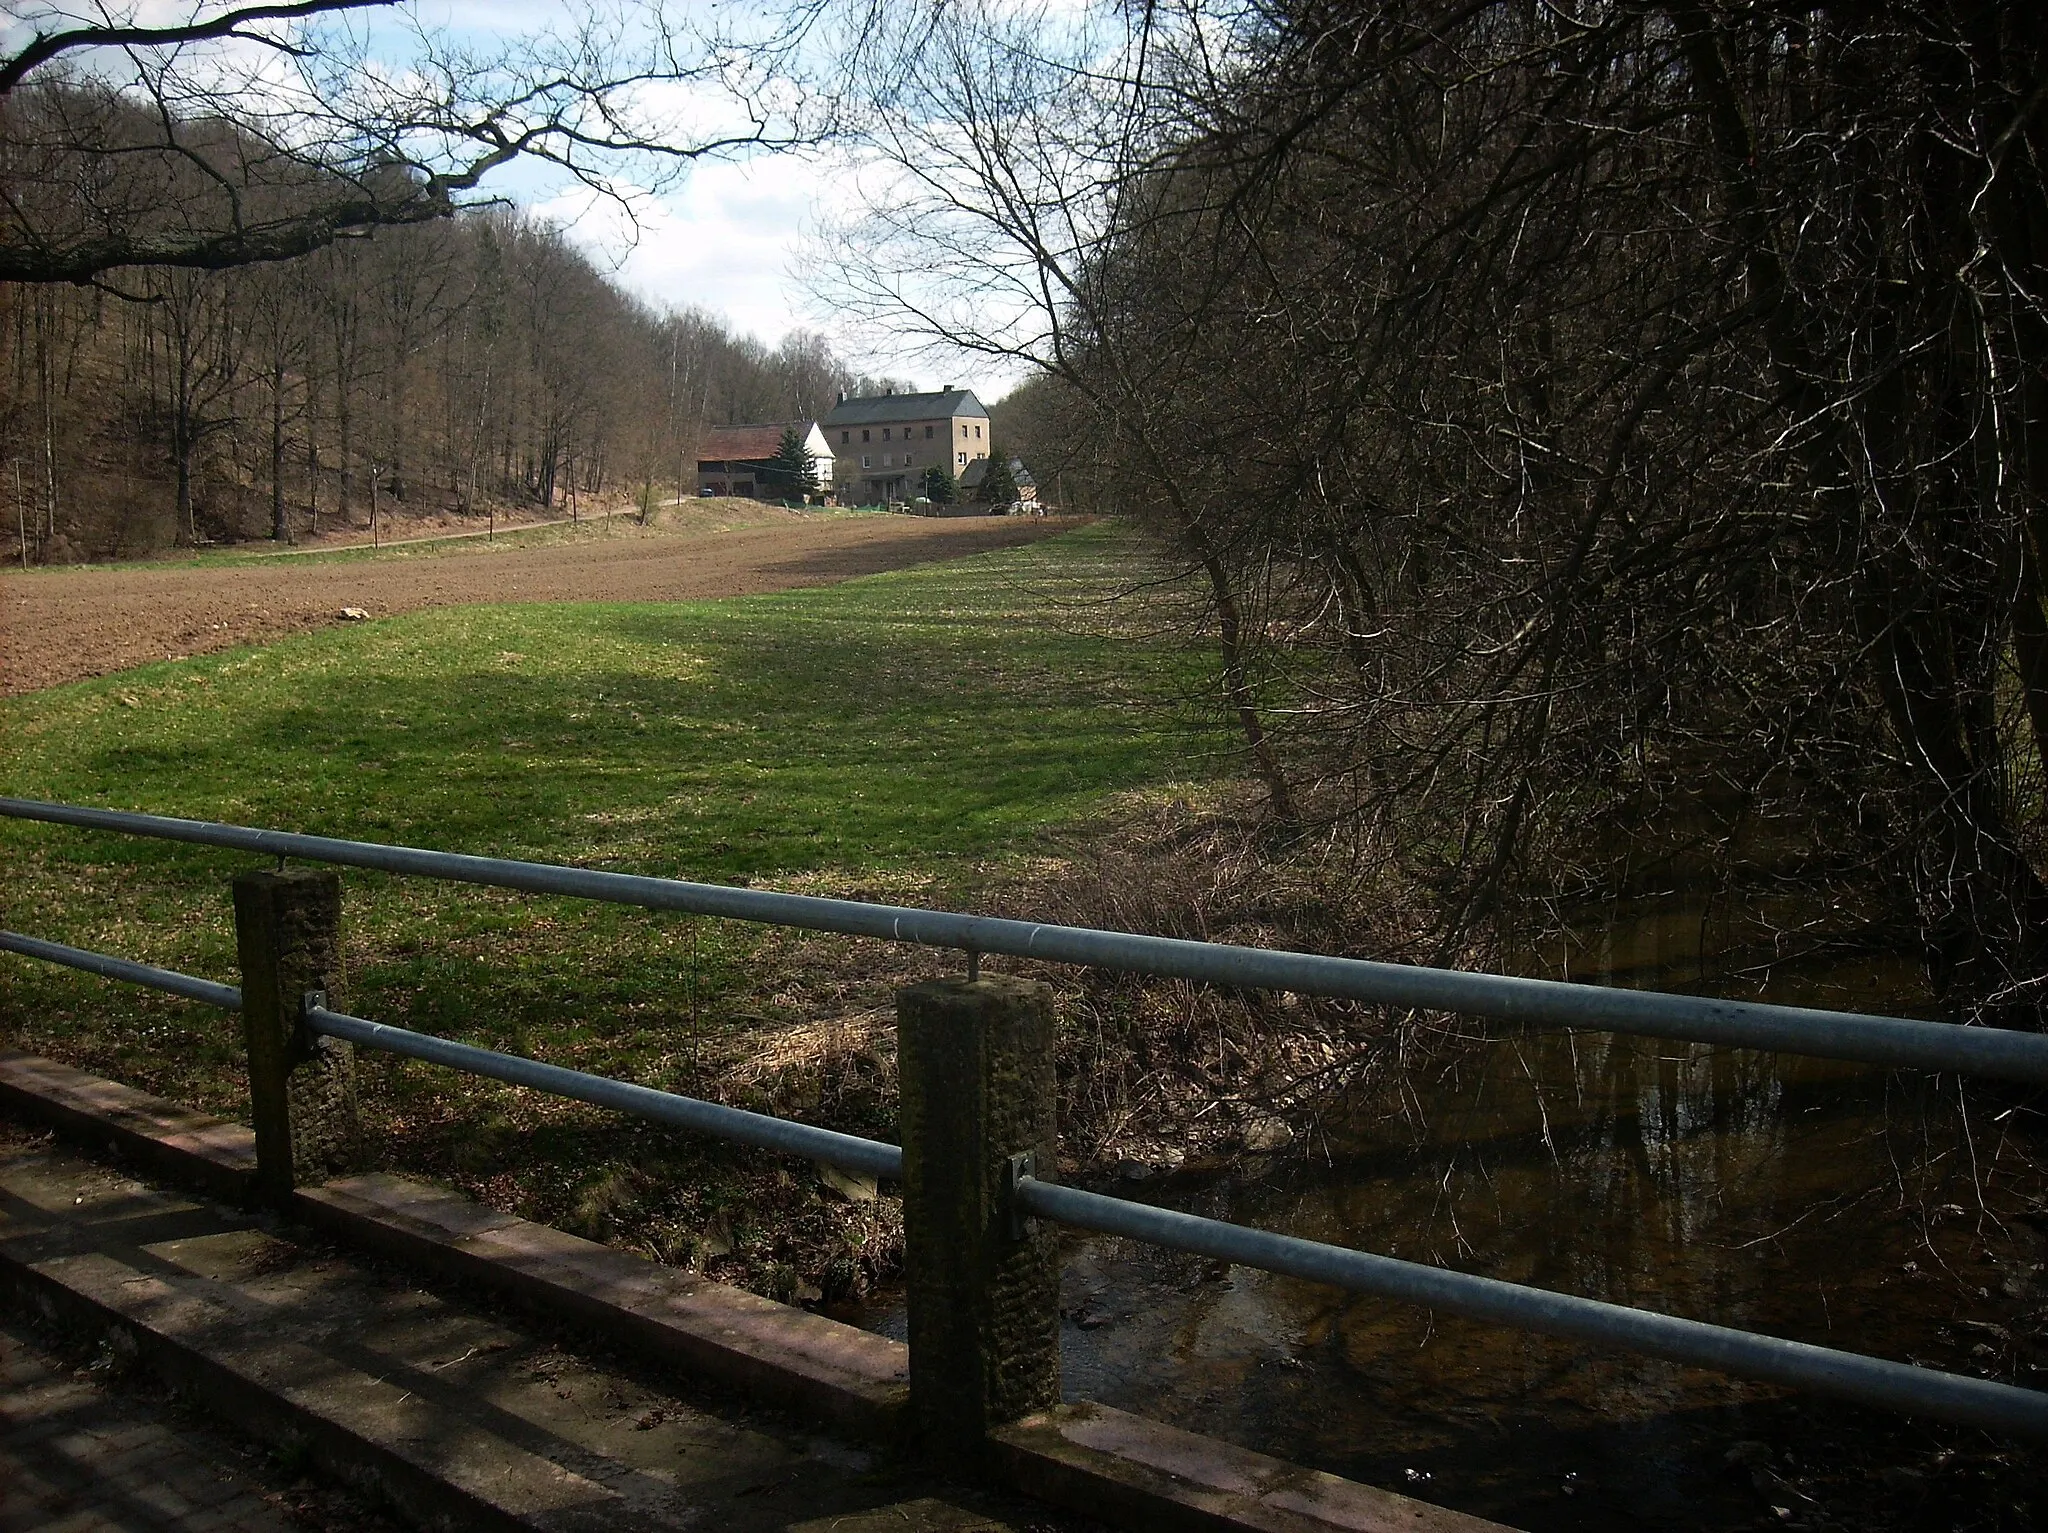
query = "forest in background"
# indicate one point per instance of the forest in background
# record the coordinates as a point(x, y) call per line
point(446, 366)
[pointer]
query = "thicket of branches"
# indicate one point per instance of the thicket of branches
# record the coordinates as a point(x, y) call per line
point(209, 134)
point(1584, 419)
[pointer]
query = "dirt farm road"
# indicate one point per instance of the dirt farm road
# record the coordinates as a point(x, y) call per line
point(65, 624)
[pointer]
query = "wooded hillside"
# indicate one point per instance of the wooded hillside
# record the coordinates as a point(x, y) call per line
point(440, 366)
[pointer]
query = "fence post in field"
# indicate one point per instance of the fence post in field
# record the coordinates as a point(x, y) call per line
point(301, 1086)
point(976, 1059)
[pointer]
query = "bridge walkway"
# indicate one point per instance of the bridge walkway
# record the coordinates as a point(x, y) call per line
point(457, 1411)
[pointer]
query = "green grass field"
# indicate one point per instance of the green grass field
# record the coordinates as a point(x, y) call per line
point(911, 735)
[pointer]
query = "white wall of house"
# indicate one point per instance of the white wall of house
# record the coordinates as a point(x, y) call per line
point(820, 452)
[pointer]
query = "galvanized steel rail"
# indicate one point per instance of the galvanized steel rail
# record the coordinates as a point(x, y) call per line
point(868, 1156)
point(1895, 1041)
point(192, 988)
point(1846, 1375)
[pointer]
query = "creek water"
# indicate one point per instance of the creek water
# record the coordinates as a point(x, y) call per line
point(1875, 1211)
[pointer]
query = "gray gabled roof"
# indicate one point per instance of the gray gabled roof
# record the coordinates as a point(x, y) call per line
point(881, 409)
point(972, 475)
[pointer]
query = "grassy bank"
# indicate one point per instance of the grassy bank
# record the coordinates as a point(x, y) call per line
point(913, 736)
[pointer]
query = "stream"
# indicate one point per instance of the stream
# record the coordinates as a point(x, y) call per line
point(1827, 1202)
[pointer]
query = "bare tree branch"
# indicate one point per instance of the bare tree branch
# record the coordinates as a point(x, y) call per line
point(47, 46)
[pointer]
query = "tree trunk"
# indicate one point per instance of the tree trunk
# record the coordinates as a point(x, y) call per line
point(345, 429)
point(46, 383)
point(279, 531)
point(181, 452)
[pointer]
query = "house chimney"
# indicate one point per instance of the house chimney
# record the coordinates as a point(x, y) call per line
point(947, 389)
point(891, 389)
point(842, 396)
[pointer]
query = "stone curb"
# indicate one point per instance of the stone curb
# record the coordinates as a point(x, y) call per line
point(355, 1429)
point(191, 1148)
point(1087, 1457)
point(820, 1368)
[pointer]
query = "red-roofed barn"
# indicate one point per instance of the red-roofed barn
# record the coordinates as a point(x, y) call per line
point(740, 460)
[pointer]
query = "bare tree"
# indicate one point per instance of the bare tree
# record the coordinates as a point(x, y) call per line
point(202, 362)
point(1575, 414)
point(248, 133)
point(283, 344)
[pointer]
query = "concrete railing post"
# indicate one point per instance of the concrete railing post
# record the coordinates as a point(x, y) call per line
point(977, 1093)
point(301, 1087)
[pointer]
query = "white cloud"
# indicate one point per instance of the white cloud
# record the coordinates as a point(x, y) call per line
point(730, 240)
point(721, 241)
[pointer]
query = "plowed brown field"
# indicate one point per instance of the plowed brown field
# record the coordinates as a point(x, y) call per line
point(61, 625)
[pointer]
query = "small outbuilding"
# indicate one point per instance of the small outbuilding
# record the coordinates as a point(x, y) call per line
point(976, 474)
point(743, 460)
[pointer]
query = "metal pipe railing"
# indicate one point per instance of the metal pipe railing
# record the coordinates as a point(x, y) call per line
point(868, 1156)
point(1845, 1375)
point(207, 991)
point(1746, 1354)
point(1894, 1041)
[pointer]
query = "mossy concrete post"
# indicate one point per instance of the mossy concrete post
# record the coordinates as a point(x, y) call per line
point(302, 1094)
point(976, 1061)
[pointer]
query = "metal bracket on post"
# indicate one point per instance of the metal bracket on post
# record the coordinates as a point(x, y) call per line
point(310, 1002)
point(1019, 1166)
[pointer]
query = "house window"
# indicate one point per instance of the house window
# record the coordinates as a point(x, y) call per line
point(864, 436)
point(885, 433)
point(865, 461)
point(927, 433)
point(845, 437)
point(963, 457)
point(886, 458)
point(977, 432)
point(906, 460)
point(963, 431)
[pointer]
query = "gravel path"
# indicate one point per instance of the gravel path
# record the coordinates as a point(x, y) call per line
point(64, 624)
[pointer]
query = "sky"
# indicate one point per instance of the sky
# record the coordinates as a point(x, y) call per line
point(731, 239)
point(728, 238)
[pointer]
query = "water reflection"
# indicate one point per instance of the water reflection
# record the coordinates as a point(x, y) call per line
point(1827, 1202)
point(1698, 1183)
